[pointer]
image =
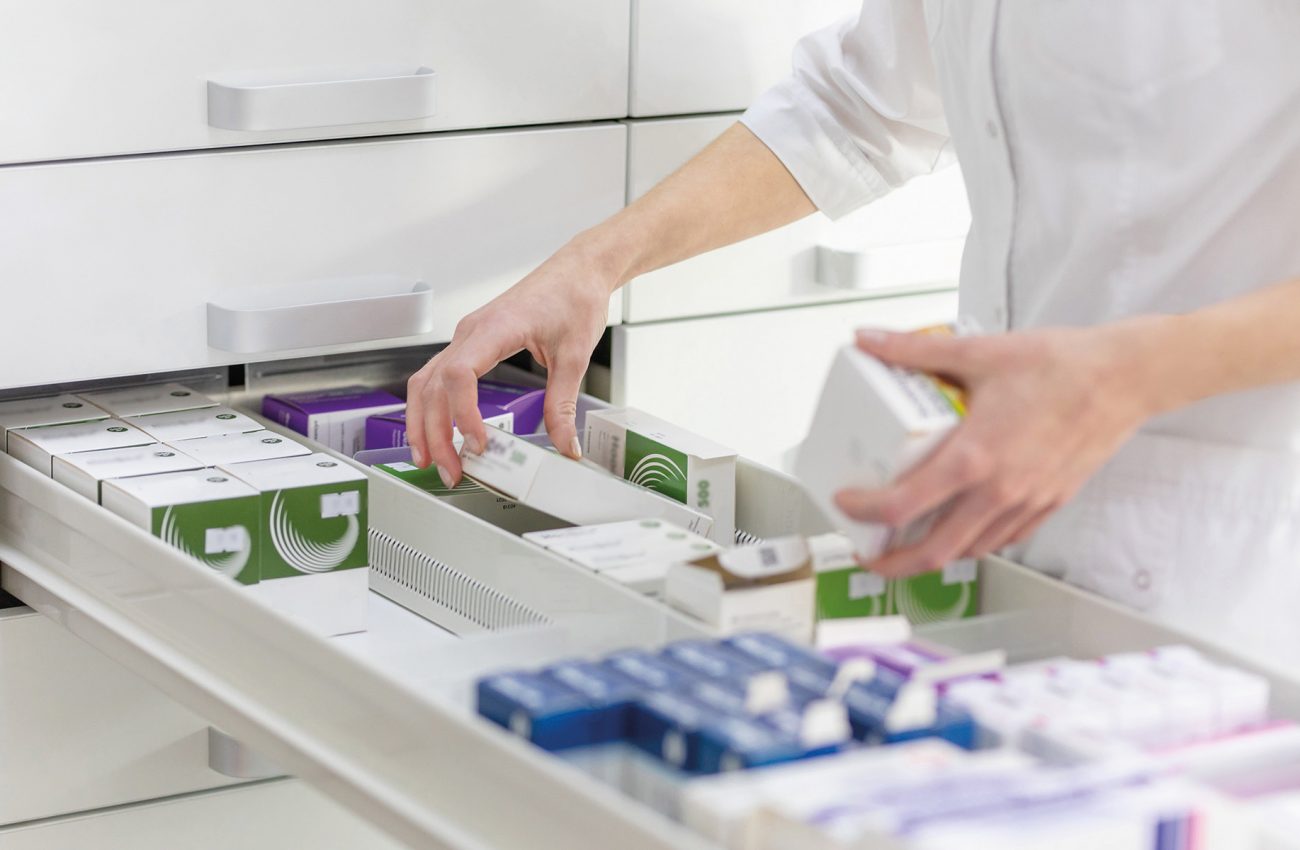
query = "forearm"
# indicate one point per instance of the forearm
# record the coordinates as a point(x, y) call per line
point(1246, 342)
point(733, 189)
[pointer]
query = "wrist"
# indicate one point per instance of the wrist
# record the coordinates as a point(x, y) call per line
point(1156, 362)
point(609, 251)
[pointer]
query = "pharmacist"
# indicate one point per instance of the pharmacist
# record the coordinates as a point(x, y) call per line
point(1134, 175)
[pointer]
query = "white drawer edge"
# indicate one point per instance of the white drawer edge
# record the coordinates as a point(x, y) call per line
point(427, 773)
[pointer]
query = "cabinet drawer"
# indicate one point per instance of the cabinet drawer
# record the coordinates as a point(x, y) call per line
point(754, 378)
point(268, 816)
point(78, 732)
point(711, 56)
point(85, 78)
point(110, 265)
point(910, 240)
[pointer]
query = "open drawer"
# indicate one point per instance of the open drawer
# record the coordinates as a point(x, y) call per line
point(383, 723)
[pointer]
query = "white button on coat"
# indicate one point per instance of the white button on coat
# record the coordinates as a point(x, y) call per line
point(1121, 158)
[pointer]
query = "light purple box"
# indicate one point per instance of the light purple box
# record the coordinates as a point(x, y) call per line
point(526, 403)
point(335, 417)
point(388, 430)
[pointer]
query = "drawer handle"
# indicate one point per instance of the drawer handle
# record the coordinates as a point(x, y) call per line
point(328, 312)
point(241, 102)
point(911, 265)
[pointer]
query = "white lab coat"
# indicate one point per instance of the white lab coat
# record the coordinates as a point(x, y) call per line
point(1121, 157)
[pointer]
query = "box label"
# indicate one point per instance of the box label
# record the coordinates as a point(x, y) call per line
point(220, 534)
point(650, 464)
point(315, 529)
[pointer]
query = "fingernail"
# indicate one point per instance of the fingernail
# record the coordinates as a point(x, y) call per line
point(474, 445)
point(871, 336)
point(445, 476)
point(576, 447)
point(418, 457)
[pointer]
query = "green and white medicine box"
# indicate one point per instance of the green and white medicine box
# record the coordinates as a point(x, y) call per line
point(846, 590)
point(37, 447)
point(206, 513)
point(152, 398)
point(474, 499)
point(84, 472)
point(38, 412)
point(193, 424)
point(313, 539)
point(241, 448)
point(670, 460)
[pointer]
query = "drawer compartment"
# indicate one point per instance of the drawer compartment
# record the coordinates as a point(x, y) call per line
point(715, 56)
point(755, 378)
point(147, 75)
point(124, 256)
point(910, 240)
point(78, 732)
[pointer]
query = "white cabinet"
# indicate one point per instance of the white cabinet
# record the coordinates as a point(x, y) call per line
point(715, 55)
point(78, 732)
point(910, 240)
point(270, 816)
point(88, 78)
point(109, 265)
point(754, 379)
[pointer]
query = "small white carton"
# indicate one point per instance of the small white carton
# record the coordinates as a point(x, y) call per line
point(37, 447)
point(241, 448)
point(209, 515)
point(152, 398)
point(670, 460)
point(631, 543)
point(85, 472)
point(313, 534)
point(873, 423)
point(767, 587)
point(193, 424)
point(577, 492)
point(49, 410)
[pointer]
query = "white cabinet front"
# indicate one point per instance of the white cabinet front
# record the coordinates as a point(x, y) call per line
point(87, 78)
point(909, 240)
point(714, 55)
point(110, 266)
point(752, 380)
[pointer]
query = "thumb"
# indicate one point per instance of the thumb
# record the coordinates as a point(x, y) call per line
point(940, 354)
point(563, 381)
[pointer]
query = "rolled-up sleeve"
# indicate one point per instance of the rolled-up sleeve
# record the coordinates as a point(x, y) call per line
point(861, 114)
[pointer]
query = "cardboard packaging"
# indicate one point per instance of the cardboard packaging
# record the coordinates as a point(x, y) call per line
point(37, 447)
point(524, 404)
point(335, 417)
point(241, 448)
point(619, 545)
point(577, 492)
point(388, 430)
point(672, 461)
point(474, 499)
point(85, 472)
point(873, 423)
point(194, 424)
point(206, 513)
point(39, 412)
point(153, 398)
point(313, 539)
point(768, 587)
point(845, 590)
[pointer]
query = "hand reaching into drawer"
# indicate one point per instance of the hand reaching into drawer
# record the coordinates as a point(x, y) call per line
point(557, 313)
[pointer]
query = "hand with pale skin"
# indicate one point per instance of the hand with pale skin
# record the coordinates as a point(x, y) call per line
point(1047, 408)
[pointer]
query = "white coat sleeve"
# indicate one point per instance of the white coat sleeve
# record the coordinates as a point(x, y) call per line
point(861, 113)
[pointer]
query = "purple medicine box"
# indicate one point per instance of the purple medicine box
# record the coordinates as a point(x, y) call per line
point(335, 417)
point(514, 408)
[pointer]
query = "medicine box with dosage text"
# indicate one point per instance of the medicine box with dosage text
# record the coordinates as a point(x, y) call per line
point(577, 492)
point(670, 460)
point(37, 447)
point(84, 472)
